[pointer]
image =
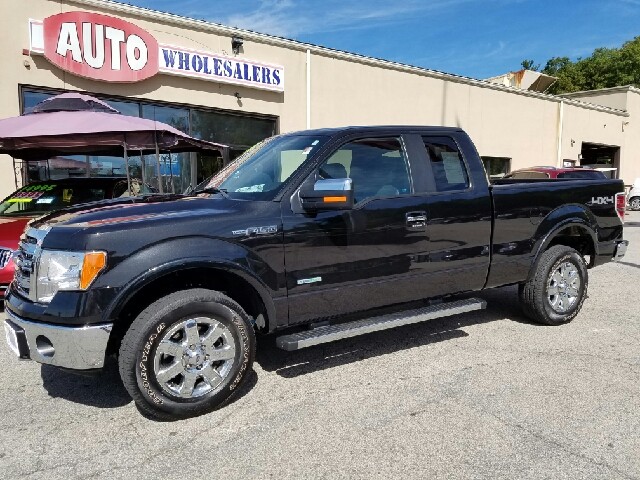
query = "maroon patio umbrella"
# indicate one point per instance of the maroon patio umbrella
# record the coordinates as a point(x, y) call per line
point(74, 123)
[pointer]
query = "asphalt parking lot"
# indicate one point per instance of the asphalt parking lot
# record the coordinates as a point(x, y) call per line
point(483, 395)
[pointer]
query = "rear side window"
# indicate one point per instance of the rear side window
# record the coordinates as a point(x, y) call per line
point(449, 170)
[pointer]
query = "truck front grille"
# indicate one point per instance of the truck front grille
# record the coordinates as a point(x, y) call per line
point(27, 257)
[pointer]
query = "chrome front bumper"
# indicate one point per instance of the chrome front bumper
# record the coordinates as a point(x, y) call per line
point(78, 348)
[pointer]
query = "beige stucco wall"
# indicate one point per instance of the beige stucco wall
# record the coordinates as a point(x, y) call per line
point(631, 153)
point(623, 132)
point(345, 90)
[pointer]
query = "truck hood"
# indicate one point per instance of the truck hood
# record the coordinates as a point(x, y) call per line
point(138, 209)
point(141, 212)
point(132, 224)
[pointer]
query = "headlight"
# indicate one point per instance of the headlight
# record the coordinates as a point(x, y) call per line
point(66, 271)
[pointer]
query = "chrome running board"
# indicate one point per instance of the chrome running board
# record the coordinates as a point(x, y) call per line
point(330, 333)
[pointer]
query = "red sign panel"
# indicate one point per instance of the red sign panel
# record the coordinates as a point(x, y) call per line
point(100, 47)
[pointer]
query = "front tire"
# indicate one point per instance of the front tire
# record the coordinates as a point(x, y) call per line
point(186, 354)
point(558, 287)
point(634, 203)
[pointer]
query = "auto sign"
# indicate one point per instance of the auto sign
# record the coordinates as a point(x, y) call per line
point(100, 47)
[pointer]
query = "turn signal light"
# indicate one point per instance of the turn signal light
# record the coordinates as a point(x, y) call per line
point(93, 264)
point(334, 199)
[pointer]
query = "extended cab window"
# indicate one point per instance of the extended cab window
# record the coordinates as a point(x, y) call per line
point(447, 164)
point(377, 166)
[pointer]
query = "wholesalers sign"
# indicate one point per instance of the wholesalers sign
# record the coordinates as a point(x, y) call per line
point(109, 49)
point(208, 66)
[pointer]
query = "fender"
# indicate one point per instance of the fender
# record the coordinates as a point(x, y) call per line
point(572, 215)
point(158, 260)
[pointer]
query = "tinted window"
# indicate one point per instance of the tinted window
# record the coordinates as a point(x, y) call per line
point(377, 166)
point(232, 130)
point(447, 164)
point(585, 174)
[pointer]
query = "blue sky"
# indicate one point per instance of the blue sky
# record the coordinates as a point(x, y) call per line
point(475, 38)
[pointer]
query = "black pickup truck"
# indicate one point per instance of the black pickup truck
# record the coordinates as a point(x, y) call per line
point(312, 232)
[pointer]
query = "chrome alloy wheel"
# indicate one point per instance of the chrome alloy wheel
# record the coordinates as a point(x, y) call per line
point(563, 287)
point(194, 357)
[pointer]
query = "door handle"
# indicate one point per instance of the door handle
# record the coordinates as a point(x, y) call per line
point(416, 219)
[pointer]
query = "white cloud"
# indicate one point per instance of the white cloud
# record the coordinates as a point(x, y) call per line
point(291, 18)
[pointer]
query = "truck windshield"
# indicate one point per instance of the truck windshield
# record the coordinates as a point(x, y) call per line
point(261, 171)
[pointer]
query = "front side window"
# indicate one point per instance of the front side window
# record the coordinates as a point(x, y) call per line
point(377, 166)
point(447, 164)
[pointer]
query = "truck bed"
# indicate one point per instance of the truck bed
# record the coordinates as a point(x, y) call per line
point(525, 211)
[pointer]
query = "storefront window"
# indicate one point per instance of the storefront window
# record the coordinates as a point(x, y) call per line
point(125, 108)
point(57, 167)
point(31, 99)
point(231, 130)
point(176, 117)
point(175, 172)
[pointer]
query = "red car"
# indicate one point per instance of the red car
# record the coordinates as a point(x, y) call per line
point(554, 172)
point(40, 198)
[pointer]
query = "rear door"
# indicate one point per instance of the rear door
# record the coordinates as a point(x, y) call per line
point(459, 214)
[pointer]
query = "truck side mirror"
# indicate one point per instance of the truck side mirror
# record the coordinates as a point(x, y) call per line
point(328, 194)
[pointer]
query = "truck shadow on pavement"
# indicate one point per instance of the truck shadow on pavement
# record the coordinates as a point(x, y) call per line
point(502, 304)
point(105, 390)
point(102, 390)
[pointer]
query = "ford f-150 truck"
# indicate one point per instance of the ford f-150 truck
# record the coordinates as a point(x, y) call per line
point(311, 232)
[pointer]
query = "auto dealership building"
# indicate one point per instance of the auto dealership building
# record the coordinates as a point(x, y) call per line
point(236, 87)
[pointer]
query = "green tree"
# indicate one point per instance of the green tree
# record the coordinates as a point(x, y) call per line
point(530, 65)
point(604, 68)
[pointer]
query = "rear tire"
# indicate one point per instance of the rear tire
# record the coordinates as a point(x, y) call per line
point(634, 203)
point(187, 354)
point(555, 292)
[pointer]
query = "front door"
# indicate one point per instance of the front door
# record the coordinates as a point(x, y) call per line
point(339, 262)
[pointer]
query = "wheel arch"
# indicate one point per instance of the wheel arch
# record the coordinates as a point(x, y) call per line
point(240, 285)
point(575, 232)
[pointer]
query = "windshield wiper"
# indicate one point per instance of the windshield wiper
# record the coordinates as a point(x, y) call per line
point(223, 191)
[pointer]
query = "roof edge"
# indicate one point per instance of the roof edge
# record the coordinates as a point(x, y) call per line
point(340, 54)
point(621, 88)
